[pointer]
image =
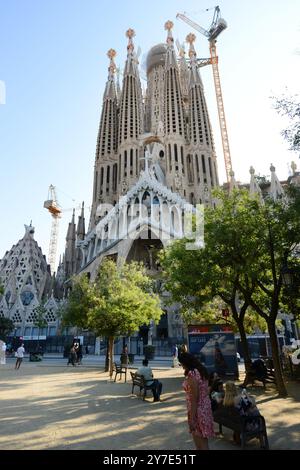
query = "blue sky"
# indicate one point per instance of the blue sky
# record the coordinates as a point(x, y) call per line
point(54, 66)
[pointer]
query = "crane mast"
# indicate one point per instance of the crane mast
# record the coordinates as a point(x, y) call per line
point(51, 204)
point(221, 111)
point(217, 26)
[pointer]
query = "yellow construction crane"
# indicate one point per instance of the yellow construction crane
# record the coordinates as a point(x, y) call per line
point(51, 204)
point(218, 25)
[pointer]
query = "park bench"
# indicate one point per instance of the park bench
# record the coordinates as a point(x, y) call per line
point(120, 369)
point(248, 427)
point(267, 377)
point(139, 381)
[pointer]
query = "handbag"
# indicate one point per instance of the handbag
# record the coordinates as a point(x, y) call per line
point(16, 354)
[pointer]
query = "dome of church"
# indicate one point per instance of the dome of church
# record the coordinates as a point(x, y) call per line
point(156, 56)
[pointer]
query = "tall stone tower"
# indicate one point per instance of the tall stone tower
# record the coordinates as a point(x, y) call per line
point(105, 172)
point(155, 159)
point(27, 283)
point(173, 110)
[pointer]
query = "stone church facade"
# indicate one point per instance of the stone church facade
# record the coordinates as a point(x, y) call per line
point(155, 159)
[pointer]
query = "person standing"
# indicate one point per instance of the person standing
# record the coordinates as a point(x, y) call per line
point(3, 352)
point(175, 355)
point(200, 419)
point(19, 355)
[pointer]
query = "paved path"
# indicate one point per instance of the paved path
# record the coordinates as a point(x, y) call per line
point(48, 405)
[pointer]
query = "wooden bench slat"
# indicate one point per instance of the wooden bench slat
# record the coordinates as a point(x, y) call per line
point(139, 381)
point(119, 370)
point(230, 418)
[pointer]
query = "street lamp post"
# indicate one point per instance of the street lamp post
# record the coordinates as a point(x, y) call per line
point(287, 275)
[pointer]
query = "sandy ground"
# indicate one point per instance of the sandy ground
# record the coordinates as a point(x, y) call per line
point(52, 406)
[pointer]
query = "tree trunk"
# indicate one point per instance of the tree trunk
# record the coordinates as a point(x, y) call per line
point(282, 391)
point(111, 354)
point(106, 368)
point(244, 344)
point(239, 319)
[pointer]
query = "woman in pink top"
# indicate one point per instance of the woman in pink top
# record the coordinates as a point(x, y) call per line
point(200, 419)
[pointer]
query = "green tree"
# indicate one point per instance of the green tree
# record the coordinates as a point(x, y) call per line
point(247, 244)
point(262, 282)
point(39, 320)
point(117, 303)
point(289, 106)
point(6, 327)
point(195, 277)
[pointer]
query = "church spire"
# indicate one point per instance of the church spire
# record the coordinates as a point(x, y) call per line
point(110, 90)
point(276, 189)
point(183, 71)
point(107, 136)
point(70, 251)
point(232, 183)
point(105, 173)
point(200, 134)
point(200, 128)
point(130, 117)
point(254, 186)
point(171, 56)
point(174, 110)
point(81, 225)
point(194, 78)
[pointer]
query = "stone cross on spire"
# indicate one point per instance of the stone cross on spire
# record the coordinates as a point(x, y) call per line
point(111, 54)
point(130, 33)
point(168, 27)
point(192, 53)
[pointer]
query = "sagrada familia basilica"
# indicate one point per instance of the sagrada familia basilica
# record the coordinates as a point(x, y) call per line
point(155, 160)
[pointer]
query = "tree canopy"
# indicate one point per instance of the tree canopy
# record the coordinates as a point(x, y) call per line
point(6, 327)
point(247, 244)
point(118, 302)
point(289, 106)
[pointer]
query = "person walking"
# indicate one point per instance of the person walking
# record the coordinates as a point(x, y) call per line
point(19, 355)
point(72, 356)
point(2, 352)
point(199, 412)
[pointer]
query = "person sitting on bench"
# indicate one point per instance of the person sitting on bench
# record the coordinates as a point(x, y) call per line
point(146, 371)
point(244, 404)
point(257, 371)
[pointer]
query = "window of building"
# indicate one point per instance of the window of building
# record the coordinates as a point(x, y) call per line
point(35, 331)
point(52, 330)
